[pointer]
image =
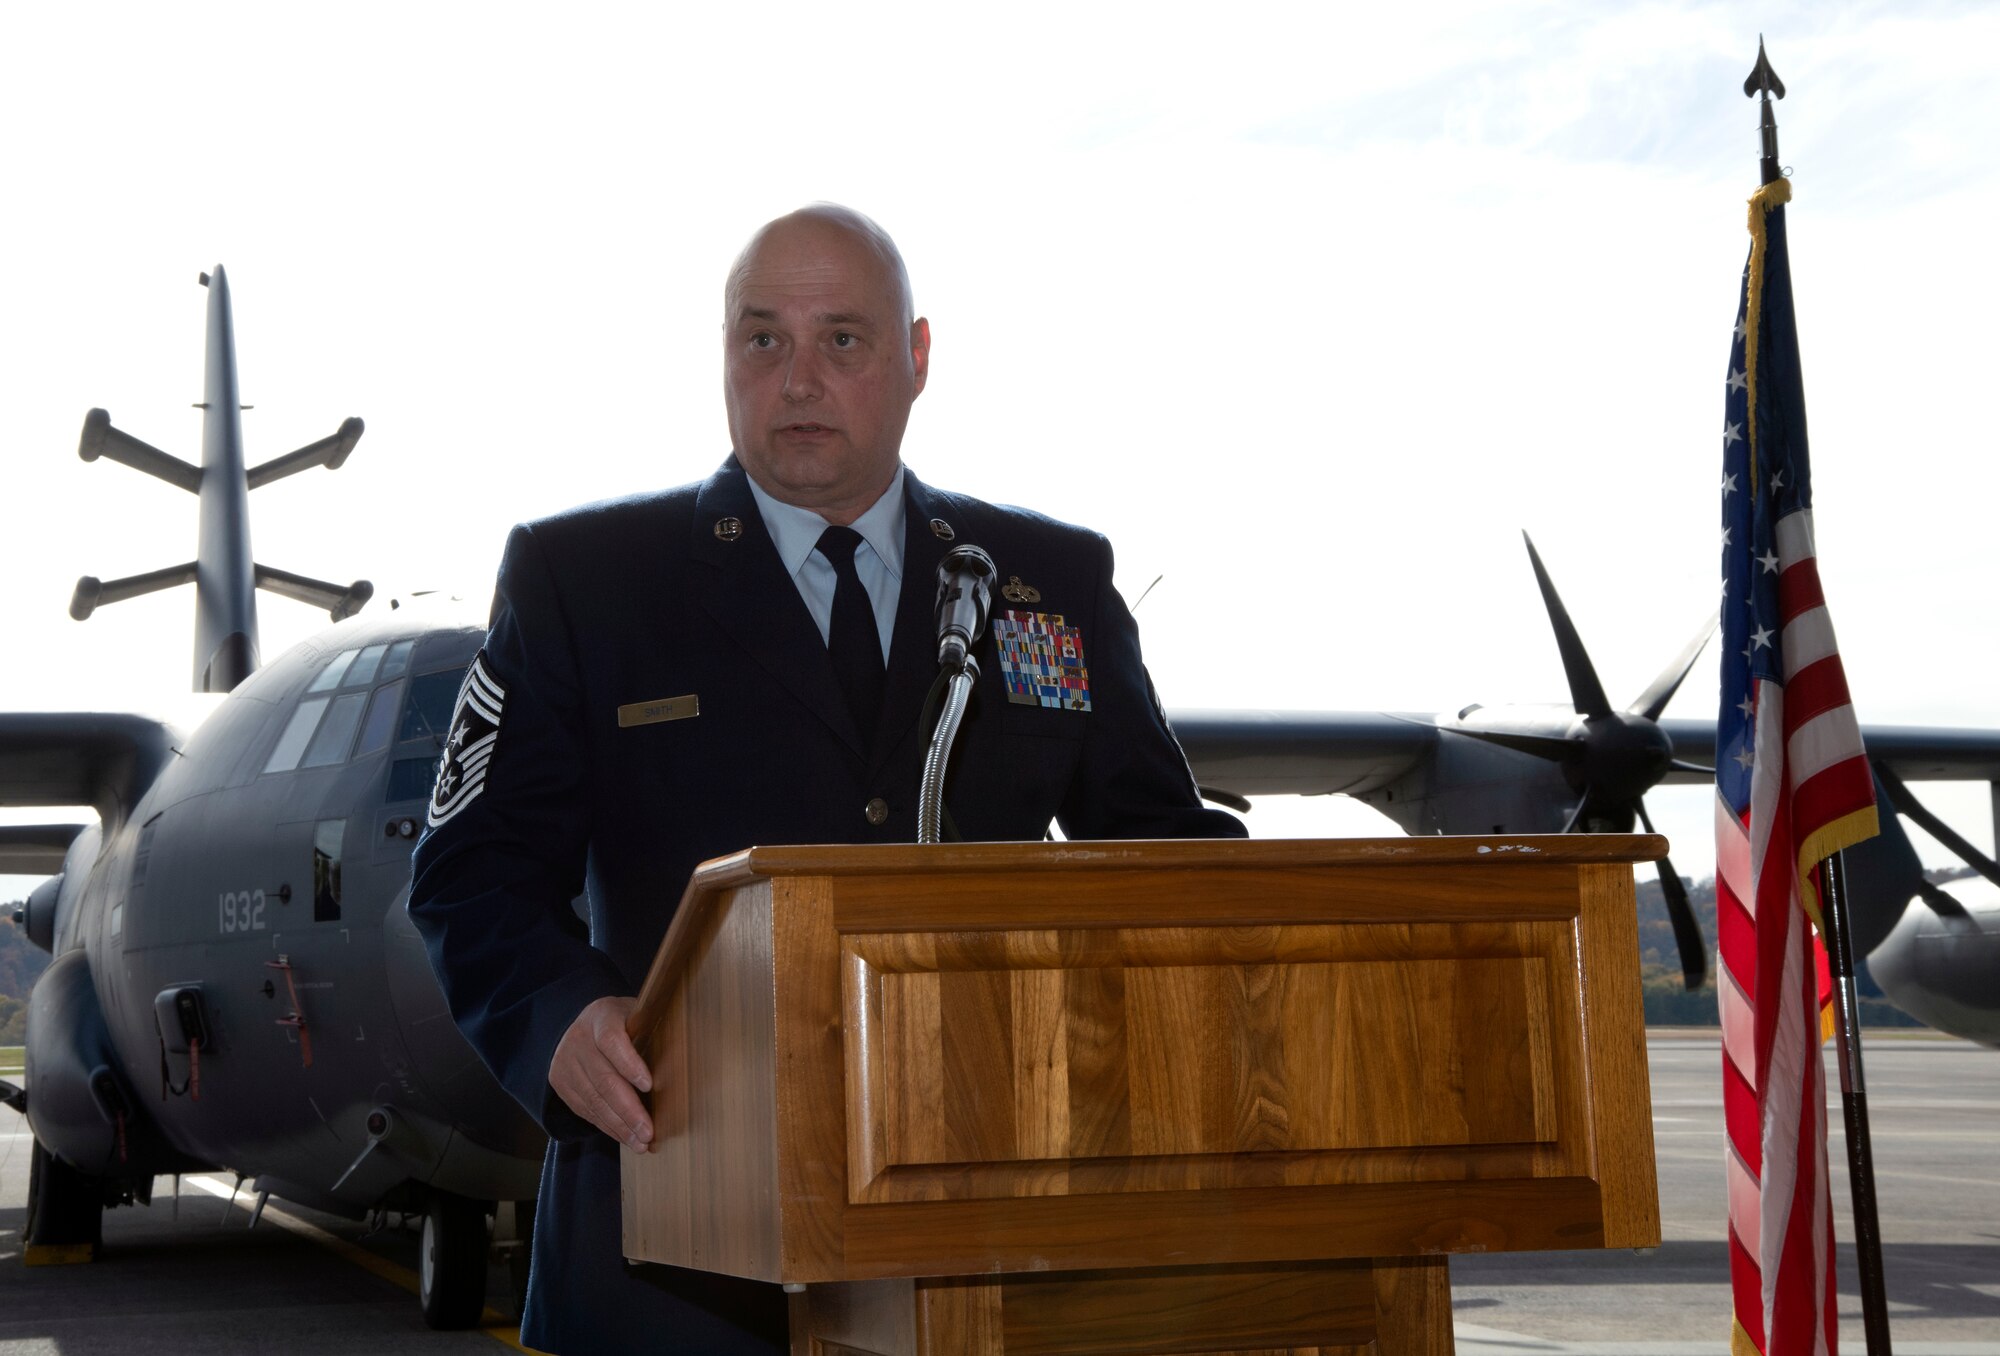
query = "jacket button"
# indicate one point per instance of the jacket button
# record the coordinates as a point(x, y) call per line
point(877, 811)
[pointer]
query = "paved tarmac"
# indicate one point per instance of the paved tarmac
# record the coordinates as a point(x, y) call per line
point(1934, 1109)
point(301, 1282)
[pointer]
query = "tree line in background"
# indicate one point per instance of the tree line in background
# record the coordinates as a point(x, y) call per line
point(21, 964)
point(1668, 1003)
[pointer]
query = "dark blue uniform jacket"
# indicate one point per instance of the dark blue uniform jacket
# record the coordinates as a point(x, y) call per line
point(681, 594)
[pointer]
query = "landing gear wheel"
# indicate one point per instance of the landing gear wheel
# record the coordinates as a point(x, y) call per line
point(65, 1216)
point(451, 1270)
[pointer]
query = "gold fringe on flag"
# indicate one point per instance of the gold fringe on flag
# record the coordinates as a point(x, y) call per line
point(1774, 194)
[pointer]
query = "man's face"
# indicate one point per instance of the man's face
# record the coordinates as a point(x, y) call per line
point(821, 366)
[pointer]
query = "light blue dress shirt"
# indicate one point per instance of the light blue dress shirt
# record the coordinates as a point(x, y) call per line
point(878, 560)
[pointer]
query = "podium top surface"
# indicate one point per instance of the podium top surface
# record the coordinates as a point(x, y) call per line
point(1172, 853)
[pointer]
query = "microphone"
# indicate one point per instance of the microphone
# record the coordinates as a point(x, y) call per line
point(964, 601)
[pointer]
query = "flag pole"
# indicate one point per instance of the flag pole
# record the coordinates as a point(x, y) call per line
point(1763, 83)
point(1854, 1107)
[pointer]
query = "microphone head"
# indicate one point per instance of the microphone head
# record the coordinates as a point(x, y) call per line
point(968, 560)
point(964, 601)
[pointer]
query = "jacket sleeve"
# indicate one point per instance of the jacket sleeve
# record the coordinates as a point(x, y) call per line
point(1132, 780)
point(507, 844)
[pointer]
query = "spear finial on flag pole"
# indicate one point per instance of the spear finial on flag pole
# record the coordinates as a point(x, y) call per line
point(1764, 81)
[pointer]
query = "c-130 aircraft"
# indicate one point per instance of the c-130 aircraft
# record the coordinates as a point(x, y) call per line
point(236, 984)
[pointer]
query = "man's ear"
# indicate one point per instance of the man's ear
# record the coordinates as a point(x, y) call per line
point(920, 349)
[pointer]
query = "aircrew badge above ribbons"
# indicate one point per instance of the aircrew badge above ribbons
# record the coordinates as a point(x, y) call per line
point(1041, 660)
point(475, 724)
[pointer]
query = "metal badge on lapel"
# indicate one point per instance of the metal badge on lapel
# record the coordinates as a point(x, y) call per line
point(1017, 592)
point(942, 530)
point(728, 529)
point(1041, 660)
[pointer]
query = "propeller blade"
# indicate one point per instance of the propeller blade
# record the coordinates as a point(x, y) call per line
point(1687, 932)
point(1682, 765)
point(1586, 692)
point(1225, 798)
point(1900, 796)
point(1555, 748)
point(1945, 905)
point(1569, 825)
point(1680, 912)
point(1655, 698)
point(1883, 875)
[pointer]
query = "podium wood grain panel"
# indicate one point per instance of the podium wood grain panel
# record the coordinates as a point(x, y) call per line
point(1235, 898)
point(809, 1073)
point(1303, 1309)
point(1040, 1021)
point(1621, 1097)
point(1000, 1061)
point(1097, 1064)
point(1201, 1228)
point(1190, 1061)
point(710, 1188)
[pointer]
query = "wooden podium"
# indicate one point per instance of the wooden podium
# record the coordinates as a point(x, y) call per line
point(1143, 1097)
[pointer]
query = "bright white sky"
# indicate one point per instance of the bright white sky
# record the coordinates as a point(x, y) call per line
point(1312, 309)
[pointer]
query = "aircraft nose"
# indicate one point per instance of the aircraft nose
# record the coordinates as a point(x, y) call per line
point(443, 1065)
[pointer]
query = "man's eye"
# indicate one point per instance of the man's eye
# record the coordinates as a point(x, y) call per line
point(845, 340)
point(762, 341)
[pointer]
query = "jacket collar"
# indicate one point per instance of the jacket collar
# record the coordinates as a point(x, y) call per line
point(750, 596)
point(747, 593)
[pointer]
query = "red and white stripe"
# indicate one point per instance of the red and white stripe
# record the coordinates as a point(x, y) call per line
point(1810, 772)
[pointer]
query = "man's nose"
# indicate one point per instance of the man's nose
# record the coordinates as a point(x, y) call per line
point(802, 376)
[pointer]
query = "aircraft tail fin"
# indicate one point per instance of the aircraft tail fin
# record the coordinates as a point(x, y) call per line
point(340, 601)
point(101, 439)
point(225, 576)
point(92, 591)
point(329, 452)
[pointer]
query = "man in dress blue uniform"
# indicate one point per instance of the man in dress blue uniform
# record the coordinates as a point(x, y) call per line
point(677, 676)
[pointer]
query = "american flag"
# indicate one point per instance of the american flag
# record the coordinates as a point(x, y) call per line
point(1792, 787)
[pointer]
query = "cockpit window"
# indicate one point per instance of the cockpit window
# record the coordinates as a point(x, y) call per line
point(398, 659)
point(292, 742)
point(362, 670)
point(381, 721)
point(329, 677)
point(336, 732)
point(355, 722)
point(428, 711)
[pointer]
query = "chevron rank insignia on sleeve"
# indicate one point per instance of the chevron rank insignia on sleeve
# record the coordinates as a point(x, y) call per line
point(468, 749)
point(1041, 660)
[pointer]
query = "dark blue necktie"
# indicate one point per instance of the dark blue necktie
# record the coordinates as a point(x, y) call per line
point(852, 639)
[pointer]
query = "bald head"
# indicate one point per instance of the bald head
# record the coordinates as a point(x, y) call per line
point(823, 357)
point(831, 224)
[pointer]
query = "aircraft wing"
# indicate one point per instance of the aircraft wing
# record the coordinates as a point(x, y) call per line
point(1303, 753)
point(35, 849)
point(1916, 753)
point(98, 759)
point(1311, 753)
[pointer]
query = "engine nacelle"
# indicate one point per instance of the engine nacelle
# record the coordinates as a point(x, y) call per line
point(80, 1105)
point(37, 916)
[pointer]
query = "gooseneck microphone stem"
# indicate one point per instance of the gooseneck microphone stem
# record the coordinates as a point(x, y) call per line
point(964, 601)
point(930, 800)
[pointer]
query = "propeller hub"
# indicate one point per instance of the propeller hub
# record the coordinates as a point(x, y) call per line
point(1624, 755)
